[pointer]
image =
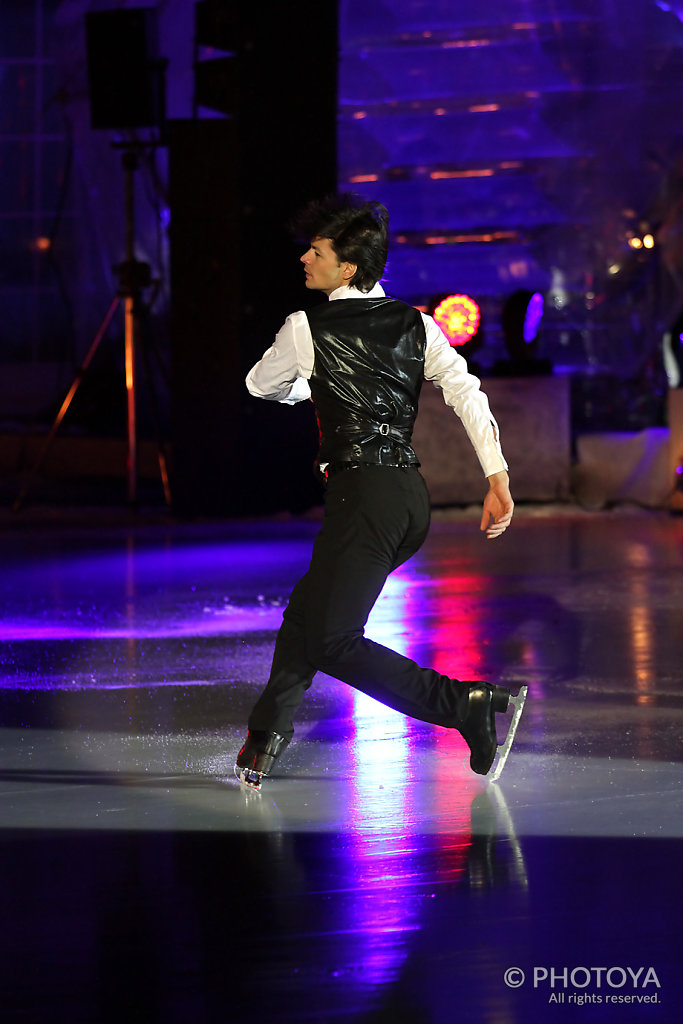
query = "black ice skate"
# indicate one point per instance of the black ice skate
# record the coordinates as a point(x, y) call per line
point(258, 755)
point(479, 727)
point(505, 747)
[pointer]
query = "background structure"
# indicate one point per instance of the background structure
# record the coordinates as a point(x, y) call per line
point(527, 145)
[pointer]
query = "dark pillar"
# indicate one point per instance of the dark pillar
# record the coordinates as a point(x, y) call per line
point(235, 184)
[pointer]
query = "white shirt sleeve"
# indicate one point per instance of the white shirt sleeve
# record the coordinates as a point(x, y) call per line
point(447, 370)
point(282, 374)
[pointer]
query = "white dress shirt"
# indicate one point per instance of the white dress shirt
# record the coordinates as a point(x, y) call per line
point(283, 373)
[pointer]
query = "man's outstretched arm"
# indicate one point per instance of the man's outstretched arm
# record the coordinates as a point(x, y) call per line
point(498, 505)
point(281, 375)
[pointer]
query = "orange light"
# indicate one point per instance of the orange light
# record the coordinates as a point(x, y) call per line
point(457, 44)
point(483, 108)
point(358, 115)
point(494, 236)
point(357, 178)
point(458, 317)
point(482, 172)
point(43, 244)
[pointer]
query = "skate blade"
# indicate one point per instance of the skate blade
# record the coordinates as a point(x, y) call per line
point(505, 748)
point(249, 778)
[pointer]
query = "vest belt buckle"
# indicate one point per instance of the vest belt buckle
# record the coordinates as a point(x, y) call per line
point(384, 429)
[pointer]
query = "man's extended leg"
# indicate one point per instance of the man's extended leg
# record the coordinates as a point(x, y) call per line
point(292, 669)
point(270, 725)
point(381, 518)
point(376, 517)
point(291, 672)
point(271, 720)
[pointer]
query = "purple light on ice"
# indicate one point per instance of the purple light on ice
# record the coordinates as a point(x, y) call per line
point(137, 591)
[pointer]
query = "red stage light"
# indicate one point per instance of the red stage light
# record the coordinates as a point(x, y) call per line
point(458, 317)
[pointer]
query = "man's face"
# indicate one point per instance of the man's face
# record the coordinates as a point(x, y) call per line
point(324, 272)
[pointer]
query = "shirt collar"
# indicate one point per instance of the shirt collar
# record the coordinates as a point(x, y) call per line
point(344, 292)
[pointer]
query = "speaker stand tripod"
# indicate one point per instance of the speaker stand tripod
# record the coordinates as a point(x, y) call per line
point(134, 276)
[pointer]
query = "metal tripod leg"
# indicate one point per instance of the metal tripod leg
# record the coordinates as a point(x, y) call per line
point(132, 447)
point(504, 750)
point(133, 277)
point(101, 331)
point(154, 409)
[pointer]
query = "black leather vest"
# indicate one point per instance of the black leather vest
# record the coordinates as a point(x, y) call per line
point(367, 375)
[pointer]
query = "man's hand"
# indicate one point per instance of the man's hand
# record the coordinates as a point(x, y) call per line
point(498, 506)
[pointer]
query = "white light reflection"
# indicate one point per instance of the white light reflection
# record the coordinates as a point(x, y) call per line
point(381, 735)
point(387, 908)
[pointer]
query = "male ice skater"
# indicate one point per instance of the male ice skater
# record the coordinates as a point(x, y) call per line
point(362, 358)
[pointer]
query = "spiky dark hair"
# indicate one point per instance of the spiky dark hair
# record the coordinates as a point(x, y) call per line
point(358, 230)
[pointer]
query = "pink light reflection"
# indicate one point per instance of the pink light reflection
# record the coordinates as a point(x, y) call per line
point(390, 760)
point(455, 629)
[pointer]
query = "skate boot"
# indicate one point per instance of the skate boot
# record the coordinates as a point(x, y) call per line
point(479, 727)
point(258, 755)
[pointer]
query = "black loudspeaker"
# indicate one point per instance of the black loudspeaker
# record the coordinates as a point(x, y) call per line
point(125, 76)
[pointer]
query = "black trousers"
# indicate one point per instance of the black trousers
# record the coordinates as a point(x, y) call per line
point(376, 517)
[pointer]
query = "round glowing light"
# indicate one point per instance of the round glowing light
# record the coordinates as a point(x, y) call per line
point(648, 241)
point(43, 244)
point(458, 317)
point(635, 243)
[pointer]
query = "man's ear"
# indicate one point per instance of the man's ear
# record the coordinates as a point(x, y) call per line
point(349, 270)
